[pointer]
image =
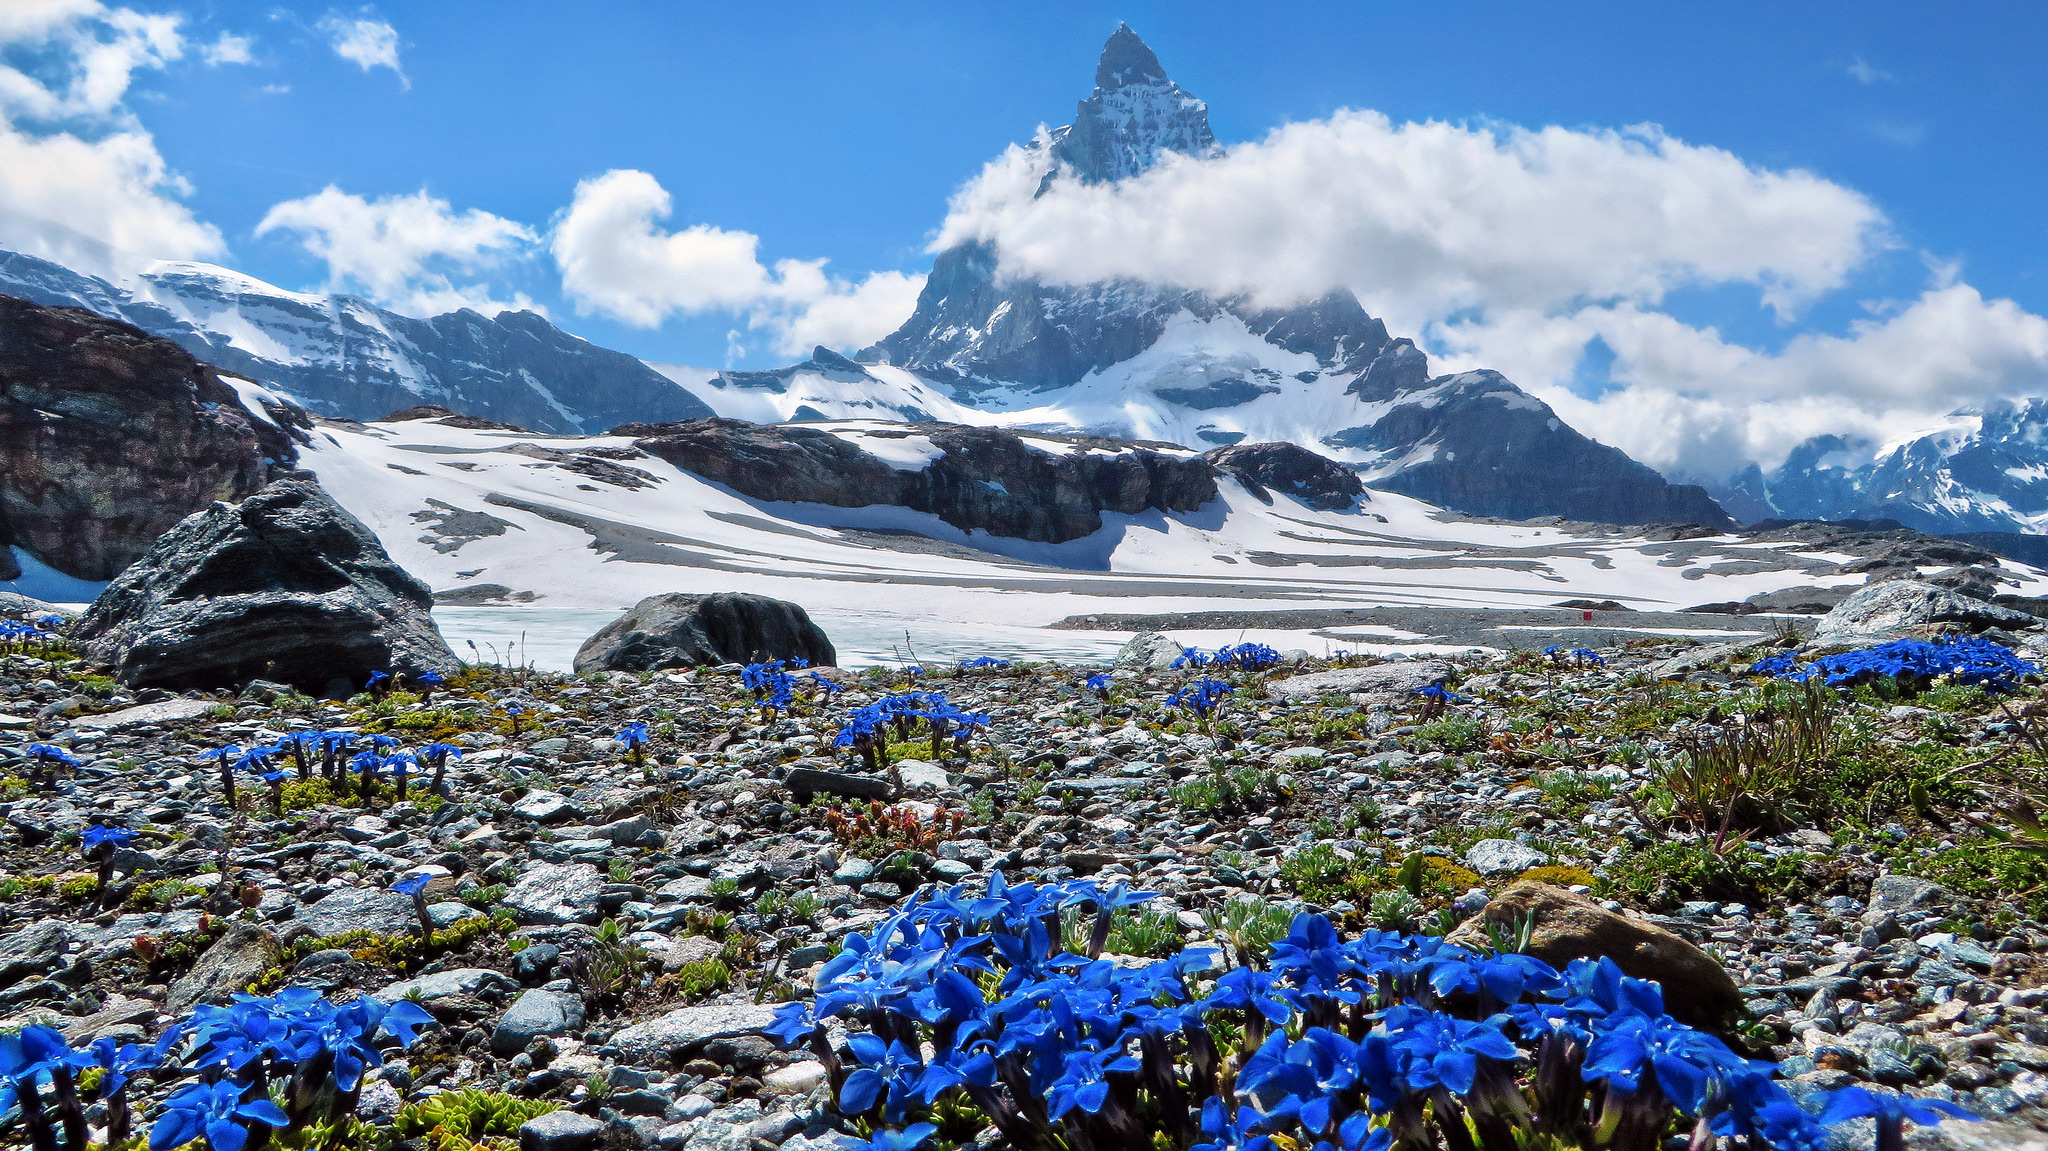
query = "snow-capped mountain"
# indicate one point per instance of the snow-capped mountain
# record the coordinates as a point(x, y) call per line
point(1984, 470)
point(342, 356)
point(1139, 361)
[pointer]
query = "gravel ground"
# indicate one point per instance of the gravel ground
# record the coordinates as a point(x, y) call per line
point(1875, 932)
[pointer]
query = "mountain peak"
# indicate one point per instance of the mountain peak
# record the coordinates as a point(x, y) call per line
point(1134, 115)
point(1127, 60)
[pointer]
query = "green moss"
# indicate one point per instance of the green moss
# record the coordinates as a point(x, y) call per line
point(1667, 874)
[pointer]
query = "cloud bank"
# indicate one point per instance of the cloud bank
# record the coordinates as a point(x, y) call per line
point(1515, 248)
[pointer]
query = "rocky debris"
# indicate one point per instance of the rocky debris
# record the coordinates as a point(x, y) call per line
point(1386, 682)
point(233, 962)
point(1318, 481)
point(109, 437)
point(1904, 608)
point(1696, 989)
point(681, 630)
point(983, 479)
point(725, 893)
point(287, 586)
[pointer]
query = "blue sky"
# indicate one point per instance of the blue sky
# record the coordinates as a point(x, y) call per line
point(838, 132)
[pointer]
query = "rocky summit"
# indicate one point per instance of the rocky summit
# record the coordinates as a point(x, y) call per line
point(598, 893)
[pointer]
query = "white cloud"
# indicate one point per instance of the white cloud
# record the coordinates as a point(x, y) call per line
point(229, 49)
point(364, 41)
point(615, 258)
point(1864, 73)
point(402, 251)
point(1423, 220)
point(1691, 402)
point(81, 182)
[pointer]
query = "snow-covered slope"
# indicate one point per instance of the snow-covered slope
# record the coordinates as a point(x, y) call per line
point(564, 522)
point(342, 356)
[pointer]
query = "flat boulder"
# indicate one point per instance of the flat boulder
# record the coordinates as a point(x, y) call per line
point(1147, 649)
point(683, 630)
point(1902, 609)
point(555, 893)
point(1567, 927)
point(359, 908)
point(1395, 679)
point(285, 586)
point(235, 960)
point(686, 1030)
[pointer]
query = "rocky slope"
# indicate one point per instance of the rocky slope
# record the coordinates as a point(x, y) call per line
point(1868, 934)
point(343, 356)
point(109, 437)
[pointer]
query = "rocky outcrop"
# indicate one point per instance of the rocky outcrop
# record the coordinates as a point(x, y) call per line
point(286, 587)
point(1696, 989)
point(1477, 443)
point(679, 630)
point(109, 437)
point(981, 479)
point(1904, 608)
point(1318, 481)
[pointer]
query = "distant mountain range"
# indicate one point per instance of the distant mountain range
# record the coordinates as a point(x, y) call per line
point(1986, 470)
point(342, 356)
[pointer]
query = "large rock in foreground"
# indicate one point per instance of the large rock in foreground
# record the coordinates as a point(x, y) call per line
point(109, 437)
point(682, 630)
point(1903, 608)
point(1696, 990)
point(286, 587)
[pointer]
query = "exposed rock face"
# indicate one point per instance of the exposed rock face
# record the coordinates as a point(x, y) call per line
point(680, 630)
point(1906, 608)
point(346, 357)
point(286, 586)
point(1134, 114)
point(1479, 444)
point(1696, 990)
point(983, 478)
point(1290, 469)
point(109, 437)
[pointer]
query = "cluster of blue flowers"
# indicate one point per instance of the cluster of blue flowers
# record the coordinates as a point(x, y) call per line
point(1201, 697)
point(1100, 682)
point(375, 755)
point(866, 730)
point(1387, 1040)
point(1578, 656)
point(983, 661)
point(1916, 662)
point(309, 1053)
point(1244, 656)
point(773, 687)
point(16, 633)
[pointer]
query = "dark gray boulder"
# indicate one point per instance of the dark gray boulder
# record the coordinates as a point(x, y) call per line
point(286, 586)
point(683, 630)
point(1290, 469)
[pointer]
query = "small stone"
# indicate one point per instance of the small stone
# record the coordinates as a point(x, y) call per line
point(560, 1131)
point(795, 1079)
point(554, 893)
point(1503, 857)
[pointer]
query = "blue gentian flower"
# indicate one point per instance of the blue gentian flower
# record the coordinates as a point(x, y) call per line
point(214, 1112)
